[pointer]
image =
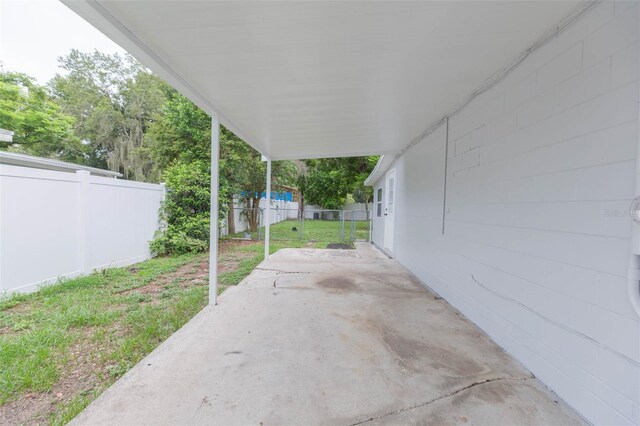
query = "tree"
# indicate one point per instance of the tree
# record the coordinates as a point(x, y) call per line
point(114, 100)
point(254, 172)
point(40, 127)
point(327, 182)
point(181, 133)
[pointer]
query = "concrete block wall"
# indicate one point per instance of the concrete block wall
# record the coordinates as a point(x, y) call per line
point(536, 247)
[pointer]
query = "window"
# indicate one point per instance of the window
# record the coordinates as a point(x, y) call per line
point(379, 202)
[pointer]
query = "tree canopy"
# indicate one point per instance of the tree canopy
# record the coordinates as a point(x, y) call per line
point(114, 100)
point(327, 182)
point(181, 133)
point(39, 125)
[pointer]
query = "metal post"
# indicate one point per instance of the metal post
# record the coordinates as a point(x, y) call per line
point(213, 211)
point(342, 223)
point(353, 232)
point(267, 210)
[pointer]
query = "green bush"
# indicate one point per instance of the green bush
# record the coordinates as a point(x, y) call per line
point(185, 211)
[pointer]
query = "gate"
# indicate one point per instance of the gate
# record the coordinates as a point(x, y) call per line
point(360, 224)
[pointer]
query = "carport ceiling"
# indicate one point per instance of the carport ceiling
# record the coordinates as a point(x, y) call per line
point(325, 79)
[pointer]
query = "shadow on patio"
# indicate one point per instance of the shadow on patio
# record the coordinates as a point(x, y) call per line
point(332, 337)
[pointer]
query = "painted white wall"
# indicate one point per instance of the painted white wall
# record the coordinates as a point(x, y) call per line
point(58, 225)
point(536, 245)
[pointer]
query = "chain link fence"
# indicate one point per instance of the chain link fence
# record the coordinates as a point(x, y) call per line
point(360, 224)
point(313, 226)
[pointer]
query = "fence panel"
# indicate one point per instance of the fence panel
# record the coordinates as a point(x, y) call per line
point(249, 224)
point(359, 224)
point(58, 224)
point(120, 211)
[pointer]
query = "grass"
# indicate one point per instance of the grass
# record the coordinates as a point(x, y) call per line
point(362, 230)
point(313, 230)
point(42, 334)
point(62, 346)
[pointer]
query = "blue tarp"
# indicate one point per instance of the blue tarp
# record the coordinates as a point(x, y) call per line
point(286, 196)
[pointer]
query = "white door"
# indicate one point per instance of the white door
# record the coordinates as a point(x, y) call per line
point(389, 210)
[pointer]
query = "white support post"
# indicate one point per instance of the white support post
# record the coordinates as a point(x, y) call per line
point(213, 212)
point(267, 210)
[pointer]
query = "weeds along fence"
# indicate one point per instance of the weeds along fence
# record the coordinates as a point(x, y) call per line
point(310, 225)
point(56, 224)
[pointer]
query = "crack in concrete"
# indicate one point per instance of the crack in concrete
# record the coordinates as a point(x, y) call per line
point(447, 395)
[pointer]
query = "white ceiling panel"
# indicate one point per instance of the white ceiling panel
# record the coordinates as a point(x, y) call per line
point(325, 79)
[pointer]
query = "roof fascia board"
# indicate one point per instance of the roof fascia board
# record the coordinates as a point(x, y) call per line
point(383, 164)
point(341, 155)
point(370, 180)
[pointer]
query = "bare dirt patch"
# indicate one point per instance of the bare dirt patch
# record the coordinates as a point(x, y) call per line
point(81, 374)
point(6, 330)
point(197, 273)
point(340, 246)
point(18, 308)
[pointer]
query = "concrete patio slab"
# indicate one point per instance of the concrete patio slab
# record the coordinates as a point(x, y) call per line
point(328, 337)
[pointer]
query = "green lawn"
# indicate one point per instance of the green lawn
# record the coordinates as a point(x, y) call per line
point(310, 230)
point(43, 334)
point(362, 230)
point(62, 346)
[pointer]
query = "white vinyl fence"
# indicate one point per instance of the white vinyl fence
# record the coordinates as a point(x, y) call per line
point(359, 211)
point(280, 210)
point(58, 225)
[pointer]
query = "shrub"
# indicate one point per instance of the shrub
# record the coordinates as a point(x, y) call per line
point(185, 211)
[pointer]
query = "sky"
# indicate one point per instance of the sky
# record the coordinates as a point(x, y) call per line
point(34, 33)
